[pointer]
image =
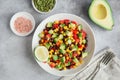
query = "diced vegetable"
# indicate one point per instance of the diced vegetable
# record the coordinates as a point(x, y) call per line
point(67, 64)
point(49, 24)
point(76, 60)
point(75, 48)
point(84, 41)
point(84, 54)
point(69, 41)
point(62, 25)
point(40, 35)
point(80, 35)
point(68, 33)
point(60, 36)
point(47, 45)
point(51, 31)
point(63, 59)
point(71, 25)
point(56, 39)
point(62, 51)
point(55, 57)
point(62, 46)
point(80, 27)
point(59, 66)
point(52, 65)
point(54, 35)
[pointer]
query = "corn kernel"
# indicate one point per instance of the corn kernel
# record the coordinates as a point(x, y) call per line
point(50, 56)
point(67, 57)
point(64, 68)
point(65, 27)
point(56, 22)
point(61, 55)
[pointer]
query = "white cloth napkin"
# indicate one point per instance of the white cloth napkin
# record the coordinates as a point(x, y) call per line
point(111, 72)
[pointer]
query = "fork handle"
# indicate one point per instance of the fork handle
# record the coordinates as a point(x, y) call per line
point(93, 74)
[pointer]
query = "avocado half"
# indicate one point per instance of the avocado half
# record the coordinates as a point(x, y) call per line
point(100, 13)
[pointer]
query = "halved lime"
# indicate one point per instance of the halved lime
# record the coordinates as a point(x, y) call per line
point(41, 53)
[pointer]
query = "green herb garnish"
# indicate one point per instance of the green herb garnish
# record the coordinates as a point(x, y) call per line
point(44, 5)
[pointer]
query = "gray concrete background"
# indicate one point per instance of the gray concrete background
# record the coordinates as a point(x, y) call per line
point(16, 60)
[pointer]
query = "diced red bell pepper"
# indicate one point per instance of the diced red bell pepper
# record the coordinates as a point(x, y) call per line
point(75, 31)
point(55, 25)
point(66, 21)
point(61, 21)
point(45, 31)
point(52, 65)
point(77, 40)
point(58, 43)
point(57, 61)
point(74, 22)
point(48, 35)
point(75, 36)
point(75, 54)
point(83, 34)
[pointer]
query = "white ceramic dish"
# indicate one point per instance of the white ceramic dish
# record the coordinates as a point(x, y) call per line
point(90, 48)
point(22, 14)
point(41, 11)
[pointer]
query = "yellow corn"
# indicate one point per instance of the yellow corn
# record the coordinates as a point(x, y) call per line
point(56, 30)
point(64, 68)
point(67, 57)
point(61, 55)
point(56, 22)
point(65, 27)
point(50, 56)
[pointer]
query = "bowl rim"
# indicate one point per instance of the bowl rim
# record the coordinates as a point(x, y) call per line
point(41, 11)
point(93, 50)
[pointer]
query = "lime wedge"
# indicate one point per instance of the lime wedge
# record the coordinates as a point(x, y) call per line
point(41, 53)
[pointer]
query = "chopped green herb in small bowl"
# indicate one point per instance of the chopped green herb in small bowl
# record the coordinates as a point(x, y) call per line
point(43, 6)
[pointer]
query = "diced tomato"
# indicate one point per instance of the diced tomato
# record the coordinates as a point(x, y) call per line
point(75, 31)
point(80, 46)
point(57, 61)
point(71, 66)
point(48, 35)
point(77, 40)
point(61, 21)
point(75, 54)
point(45, 31)
point(66, 21)
point(75, 37)
point(55, 25)
point(58, 43)
point(83, 34)
point(74, 22)
point(70, 59)
point(52, 65)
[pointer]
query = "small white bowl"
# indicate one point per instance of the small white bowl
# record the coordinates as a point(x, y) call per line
point(41, 11)
point(22, 14)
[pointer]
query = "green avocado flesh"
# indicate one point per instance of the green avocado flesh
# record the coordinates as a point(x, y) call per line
point(100, 13)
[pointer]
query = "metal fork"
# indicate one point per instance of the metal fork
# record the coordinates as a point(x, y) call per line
point(101, 64)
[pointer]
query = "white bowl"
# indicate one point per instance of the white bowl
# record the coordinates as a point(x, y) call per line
point(41, 11)
point(90, 48)
point(22, 14)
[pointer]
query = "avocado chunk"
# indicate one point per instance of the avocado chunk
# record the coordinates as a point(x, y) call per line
point(100, 13)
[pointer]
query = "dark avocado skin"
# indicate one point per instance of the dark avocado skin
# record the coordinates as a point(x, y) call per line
point(97, 23)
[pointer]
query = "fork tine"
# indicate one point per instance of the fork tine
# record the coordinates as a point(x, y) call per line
point(105, 57)
point(109, 59)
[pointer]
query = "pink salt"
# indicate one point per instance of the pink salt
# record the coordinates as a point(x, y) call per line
point(23, 25)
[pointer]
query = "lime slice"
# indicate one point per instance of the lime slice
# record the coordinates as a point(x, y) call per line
point(41, 53)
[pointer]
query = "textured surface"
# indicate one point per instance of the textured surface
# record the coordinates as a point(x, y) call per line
point(16, 60)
